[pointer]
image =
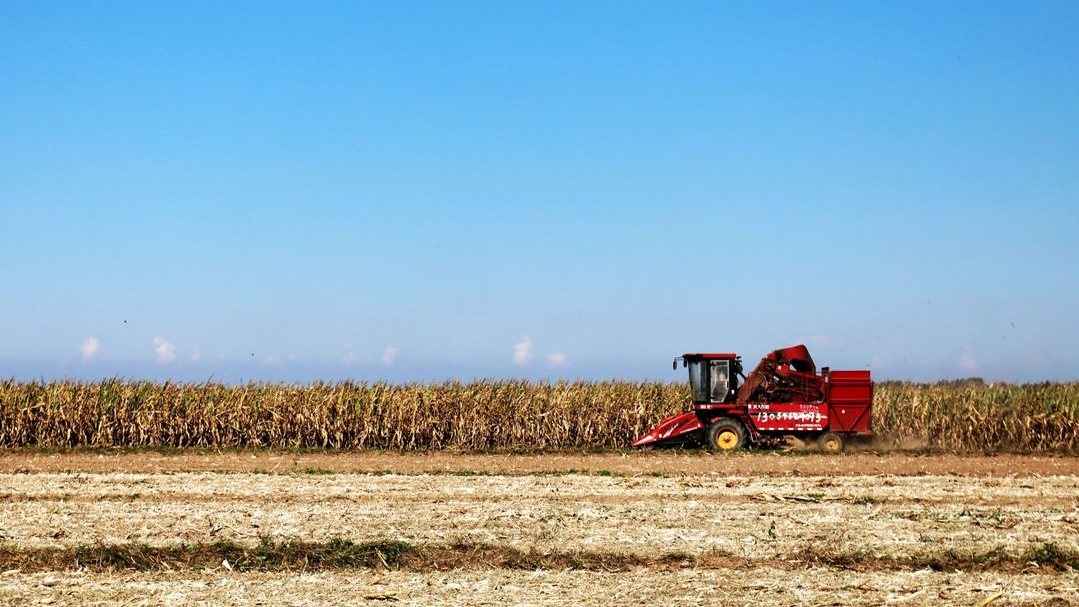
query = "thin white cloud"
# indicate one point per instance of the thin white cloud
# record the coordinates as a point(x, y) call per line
point(389, 356)
point(165, 351)
point(522, 352)
point(196, 354)
point(273, 361)
point(556, 359)
point(90, 348)
point(966, 360)
point(349, 359)
point(878, 364)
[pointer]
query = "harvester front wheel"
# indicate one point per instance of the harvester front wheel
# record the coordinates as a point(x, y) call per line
point(830, 442)
point(726, 434)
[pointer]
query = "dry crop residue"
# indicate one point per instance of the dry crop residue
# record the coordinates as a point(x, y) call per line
point(540, 536)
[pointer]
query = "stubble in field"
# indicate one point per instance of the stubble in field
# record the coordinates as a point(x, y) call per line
point(485, 535)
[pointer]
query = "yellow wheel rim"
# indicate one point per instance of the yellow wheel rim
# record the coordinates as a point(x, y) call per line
point(831, 445)
point(727, 439)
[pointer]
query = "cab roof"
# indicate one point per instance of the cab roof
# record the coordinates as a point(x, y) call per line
point(709, 355)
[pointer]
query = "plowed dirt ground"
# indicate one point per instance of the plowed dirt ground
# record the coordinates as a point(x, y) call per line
point(689, 462)
point(660, 528)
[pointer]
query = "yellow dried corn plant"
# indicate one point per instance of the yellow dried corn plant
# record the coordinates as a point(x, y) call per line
point(486, 414)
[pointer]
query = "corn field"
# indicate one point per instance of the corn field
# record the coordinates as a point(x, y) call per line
point(975, 417)
point(487, 415)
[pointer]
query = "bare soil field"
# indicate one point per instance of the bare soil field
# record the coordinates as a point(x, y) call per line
point(184, 528)
point(765, 586)
point(634, 463)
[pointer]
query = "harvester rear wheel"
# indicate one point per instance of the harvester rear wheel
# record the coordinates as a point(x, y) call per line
point(726, 434)
point(830, 442)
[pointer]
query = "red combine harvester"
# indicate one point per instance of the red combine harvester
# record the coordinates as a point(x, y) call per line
point(784, 396)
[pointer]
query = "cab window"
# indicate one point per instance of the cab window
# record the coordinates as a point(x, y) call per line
point(719, 386)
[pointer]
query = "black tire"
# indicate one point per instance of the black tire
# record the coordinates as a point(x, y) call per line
point(726, 434)
point(830, 442)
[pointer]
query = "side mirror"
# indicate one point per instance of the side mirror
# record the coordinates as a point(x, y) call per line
point(674, 364)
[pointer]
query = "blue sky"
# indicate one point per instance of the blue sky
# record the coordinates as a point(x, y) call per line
point(402, 190)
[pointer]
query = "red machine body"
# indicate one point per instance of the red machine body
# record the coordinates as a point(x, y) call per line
point(783, 396)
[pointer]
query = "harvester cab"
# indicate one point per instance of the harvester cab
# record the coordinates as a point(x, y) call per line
point(784, 396)
point(713, 378)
